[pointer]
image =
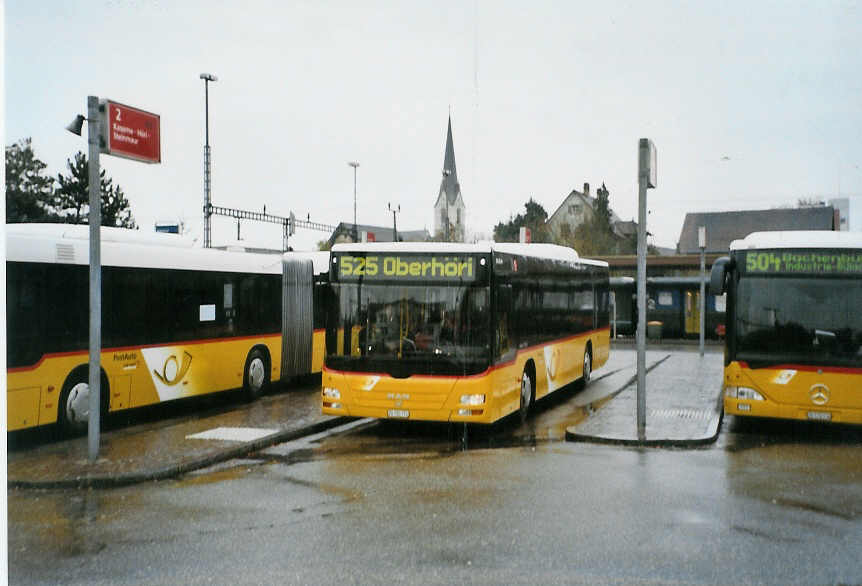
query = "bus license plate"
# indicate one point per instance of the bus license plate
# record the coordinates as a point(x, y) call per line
point(402, 413)
point(820, 415)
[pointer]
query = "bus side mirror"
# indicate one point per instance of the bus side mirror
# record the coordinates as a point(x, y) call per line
point(718, 275)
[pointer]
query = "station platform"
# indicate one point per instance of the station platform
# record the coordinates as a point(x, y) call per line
point(683, 401)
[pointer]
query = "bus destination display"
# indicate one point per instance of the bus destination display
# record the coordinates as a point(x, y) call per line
point(808, 262)
point(380, 267)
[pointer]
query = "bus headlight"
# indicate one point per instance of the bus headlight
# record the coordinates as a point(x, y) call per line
point(746, 393)
point(331, 393)
point(472, 399)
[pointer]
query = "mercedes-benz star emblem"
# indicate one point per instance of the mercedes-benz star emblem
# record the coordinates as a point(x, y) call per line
point(819, 394)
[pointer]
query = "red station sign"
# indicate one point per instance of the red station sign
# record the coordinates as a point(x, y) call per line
point(131, 133)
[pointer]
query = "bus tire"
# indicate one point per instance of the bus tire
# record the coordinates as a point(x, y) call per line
point(527, 393)
point(256, 374)
point(588, 368)
point(73, 410)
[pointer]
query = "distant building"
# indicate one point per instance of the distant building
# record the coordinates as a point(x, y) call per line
point(724, 227)
point(579, 207)
point(842, 204)
point(449, 209)
point(175, 227)
point(367, 233)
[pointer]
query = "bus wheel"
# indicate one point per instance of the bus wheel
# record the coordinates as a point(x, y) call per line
point(526, 394)
point(73, 412)
point(588, 368)
point(256, 375)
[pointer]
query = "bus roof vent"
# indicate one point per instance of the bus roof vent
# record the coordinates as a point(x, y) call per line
point(65, 253)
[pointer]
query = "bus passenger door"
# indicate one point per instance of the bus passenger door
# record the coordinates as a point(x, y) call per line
point(692, 312)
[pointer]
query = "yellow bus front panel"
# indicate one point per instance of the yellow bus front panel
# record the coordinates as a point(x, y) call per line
point(481, 398)
point(788, 392)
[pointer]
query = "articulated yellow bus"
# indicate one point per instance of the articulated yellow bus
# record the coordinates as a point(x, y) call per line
point(460, 332)
point(794, 325)
point(177, 321)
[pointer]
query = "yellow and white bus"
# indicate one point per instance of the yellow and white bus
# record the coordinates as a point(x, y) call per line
point(460, 332)
point(794, 325)
point(177, 321)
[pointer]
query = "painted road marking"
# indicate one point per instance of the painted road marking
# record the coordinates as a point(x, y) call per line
point(233, 434)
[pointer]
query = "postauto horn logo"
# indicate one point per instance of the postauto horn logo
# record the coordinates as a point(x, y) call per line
point(172, 371)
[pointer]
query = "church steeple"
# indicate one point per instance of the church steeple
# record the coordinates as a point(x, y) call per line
point(449, 185)
point(449, 209)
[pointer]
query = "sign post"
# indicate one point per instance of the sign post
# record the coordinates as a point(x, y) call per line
point(95, 219)
point(701, 243)
point(122, 131)
point(646, 180)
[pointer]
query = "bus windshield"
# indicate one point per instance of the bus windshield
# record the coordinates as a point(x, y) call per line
point(799, 320)
point(410, 329)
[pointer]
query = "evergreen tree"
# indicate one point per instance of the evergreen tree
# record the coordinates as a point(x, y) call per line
point(533, 218)
point(29, 192)
point(73, 196)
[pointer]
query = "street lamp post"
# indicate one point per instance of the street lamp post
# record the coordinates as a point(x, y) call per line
point(354, 164)
point(394, 225)
point(207, 77)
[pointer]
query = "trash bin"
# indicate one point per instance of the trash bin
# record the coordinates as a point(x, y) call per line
point(653, 330)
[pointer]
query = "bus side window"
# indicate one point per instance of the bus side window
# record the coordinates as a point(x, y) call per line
point(502, 344)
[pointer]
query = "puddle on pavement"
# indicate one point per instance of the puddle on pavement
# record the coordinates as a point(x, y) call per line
point(230, 470)
point(64, 522)
point(388, 439)
point(806, 467)
point(743, 433)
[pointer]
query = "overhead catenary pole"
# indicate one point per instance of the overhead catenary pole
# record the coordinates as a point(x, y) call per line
point(207, 77)
point(95, 219)
point(354, 164)
point(394, 211)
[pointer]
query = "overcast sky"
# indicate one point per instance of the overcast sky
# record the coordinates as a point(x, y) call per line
point(751, 105)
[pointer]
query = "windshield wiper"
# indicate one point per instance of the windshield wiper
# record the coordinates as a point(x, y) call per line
point(824, 336)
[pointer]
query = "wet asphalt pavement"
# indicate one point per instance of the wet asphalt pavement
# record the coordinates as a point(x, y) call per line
point(372, 503)
point(384, 504)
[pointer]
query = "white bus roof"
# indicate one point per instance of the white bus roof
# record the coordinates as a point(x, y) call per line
point(798, 239)
point(69, 244)
point(538, 250)
point(319, 259)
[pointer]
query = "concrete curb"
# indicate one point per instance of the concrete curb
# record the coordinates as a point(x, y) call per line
point(174, 470)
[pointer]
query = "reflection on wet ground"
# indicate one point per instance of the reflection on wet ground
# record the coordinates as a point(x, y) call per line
point(748, 433)
point(391, 439)
point(796, 465)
